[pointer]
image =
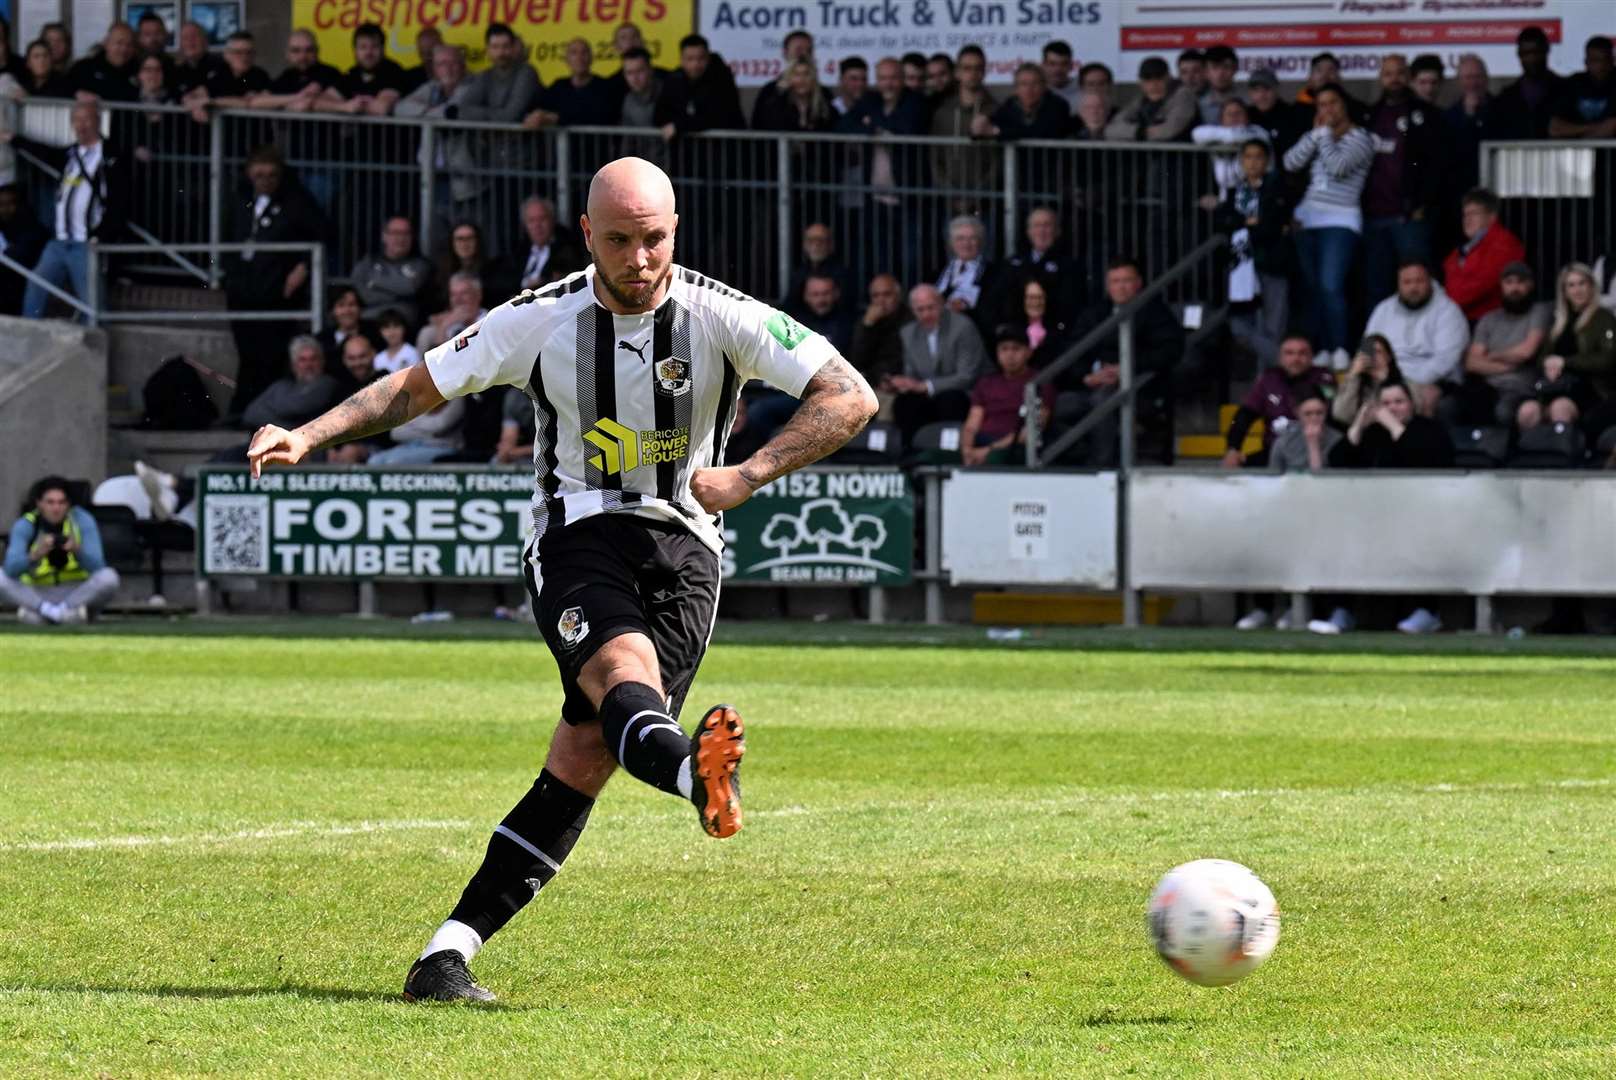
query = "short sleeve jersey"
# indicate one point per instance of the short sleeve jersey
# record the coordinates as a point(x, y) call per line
point(627, 407)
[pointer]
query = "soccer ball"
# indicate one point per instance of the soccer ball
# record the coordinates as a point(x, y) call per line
point(1213, 921)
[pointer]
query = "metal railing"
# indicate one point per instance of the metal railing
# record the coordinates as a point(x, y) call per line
point(28, 274)
point(1559, 197)
point(745, 196)
point(1122, 402)
point(97, 312)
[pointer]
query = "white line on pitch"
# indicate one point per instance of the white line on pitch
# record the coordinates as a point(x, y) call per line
point(269, 832)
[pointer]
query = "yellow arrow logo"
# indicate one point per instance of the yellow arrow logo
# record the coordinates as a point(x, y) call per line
point(619, 447)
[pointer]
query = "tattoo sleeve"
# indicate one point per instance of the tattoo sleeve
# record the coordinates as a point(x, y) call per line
point(381, 406)
point(836, 404)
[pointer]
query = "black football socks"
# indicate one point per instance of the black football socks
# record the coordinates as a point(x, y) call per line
point(525, 852)
point(644, 739)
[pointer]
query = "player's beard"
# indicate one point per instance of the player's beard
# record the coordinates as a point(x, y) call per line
point(640, 299)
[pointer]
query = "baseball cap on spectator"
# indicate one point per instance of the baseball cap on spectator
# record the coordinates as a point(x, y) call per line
point(1009, 332)
point(1264, 77)
point(1153, 67)
point(1517, 269)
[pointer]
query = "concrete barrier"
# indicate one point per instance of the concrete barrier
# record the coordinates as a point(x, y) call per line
point(53, 405)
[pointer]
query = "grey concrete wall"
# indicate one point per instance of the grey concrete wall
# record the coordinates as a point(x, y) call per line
point(53, 405)
point(138, 350)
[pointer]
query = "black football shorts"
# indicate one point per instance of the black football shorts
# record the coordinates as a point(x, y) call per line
point(619, 573)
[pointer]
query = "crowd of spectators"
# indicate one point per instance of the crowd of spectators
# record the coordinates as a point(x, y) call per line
point(1369, 274)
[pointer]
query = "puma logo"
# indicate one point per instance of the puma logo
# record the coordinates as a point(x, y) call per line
point(640, 352)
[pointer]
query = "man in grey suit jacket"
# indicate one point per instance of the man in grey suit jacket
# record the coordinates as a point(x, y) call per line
point(943, 356)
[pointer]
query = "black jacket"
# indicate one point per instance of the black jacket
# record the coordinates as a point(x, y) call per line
point(1515, 119)
point(878, 349)
point(1424, 134)
point(1158, 340)
point(25, 239)
point(710, 102)
point(1270, 242)
point(1285, 123)
point(1048, 121)
point(290, 216)
point(113, 182)
point(1424, 445)
point(95, 76)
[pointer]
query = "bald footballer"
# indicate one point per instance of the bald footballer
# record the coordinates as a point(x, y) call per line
point(633, 366)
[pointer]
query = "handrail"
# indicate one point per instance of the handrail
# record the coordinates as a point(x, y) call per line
point(165, 250)
point(1075, 352)
point(612, 131)
point(65, 297)
point(315, 250)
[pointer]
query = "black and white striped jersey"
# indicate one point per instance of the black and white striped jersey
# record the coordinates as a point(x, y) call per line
point(626, 407)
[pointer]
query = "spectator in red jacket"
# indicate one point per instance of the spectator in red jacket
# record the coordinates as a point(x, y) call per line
point(1472, 270)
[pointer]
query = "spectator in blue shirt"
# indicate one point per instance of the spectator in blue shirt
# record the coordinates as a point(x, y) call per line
point(54, 570)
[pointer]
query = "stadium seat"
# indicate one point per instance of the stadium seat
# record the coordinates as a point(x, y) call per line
point(937, 444)
point(120, 537)
point(1549, 446)
point(879, 443)
point(1211, 447)
point(1480, 447)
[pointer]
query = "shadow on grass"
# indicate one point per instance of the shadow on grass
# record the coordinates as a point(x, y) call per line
point(1112, 1018)
point(212, 993)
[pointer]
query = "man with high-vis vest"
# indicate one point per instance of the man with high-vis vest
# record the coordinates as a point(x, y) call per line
point(54, 569)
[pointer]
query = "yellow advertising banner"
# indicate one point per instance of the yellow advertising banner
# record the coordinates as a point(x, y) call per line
point(545, 27)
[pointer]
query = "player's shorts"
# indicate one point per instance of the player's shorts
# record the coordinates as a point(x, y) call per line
point(619, 573)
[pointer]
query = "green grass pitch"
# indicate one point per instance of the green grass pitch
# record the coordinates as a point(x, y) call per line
point(221, 852)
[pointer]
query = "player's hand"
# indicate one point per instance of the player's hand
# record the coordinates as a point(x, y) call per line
point(272, 445)
point(719, 489)
point(1233, 459)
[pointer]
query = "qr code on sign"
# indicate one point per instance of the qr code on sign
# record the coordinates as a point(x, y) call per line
point(237, 532)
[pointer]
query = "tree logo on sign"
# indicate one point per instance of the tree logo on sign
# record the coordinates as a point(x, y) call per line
point(823, 532)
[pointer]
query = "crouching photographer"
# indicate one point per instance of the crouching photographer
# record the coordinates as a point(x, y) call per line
point(54, 569)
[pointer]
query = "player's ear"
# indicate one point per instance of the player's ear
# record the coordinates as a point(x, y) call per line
point(583, 228)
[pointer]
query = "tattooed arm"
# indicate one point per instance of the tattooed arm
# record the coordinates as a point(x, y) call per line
point(836, 404)
point(381, 406)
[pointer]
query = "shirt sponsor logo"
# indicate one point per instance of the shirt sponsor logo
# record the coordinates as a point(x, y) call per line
point(622, 449)
point(465, 339)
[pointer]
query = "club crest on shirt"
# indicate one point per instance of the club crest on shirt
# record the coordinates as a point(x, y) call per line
point(673, 376)
point(572, 626)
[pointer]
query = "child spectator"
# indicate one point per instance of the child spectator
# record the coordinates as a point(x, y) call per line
point(1256, 217)
point(398, 353)
point(994, 428)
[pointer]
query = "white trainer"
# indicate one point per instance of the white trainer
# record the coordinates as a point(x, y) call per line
point(1420, 621)
point(1255, 619)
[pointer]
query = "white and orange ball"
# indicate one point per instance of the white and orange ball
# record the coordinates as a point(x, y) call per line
point(1213, 921)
